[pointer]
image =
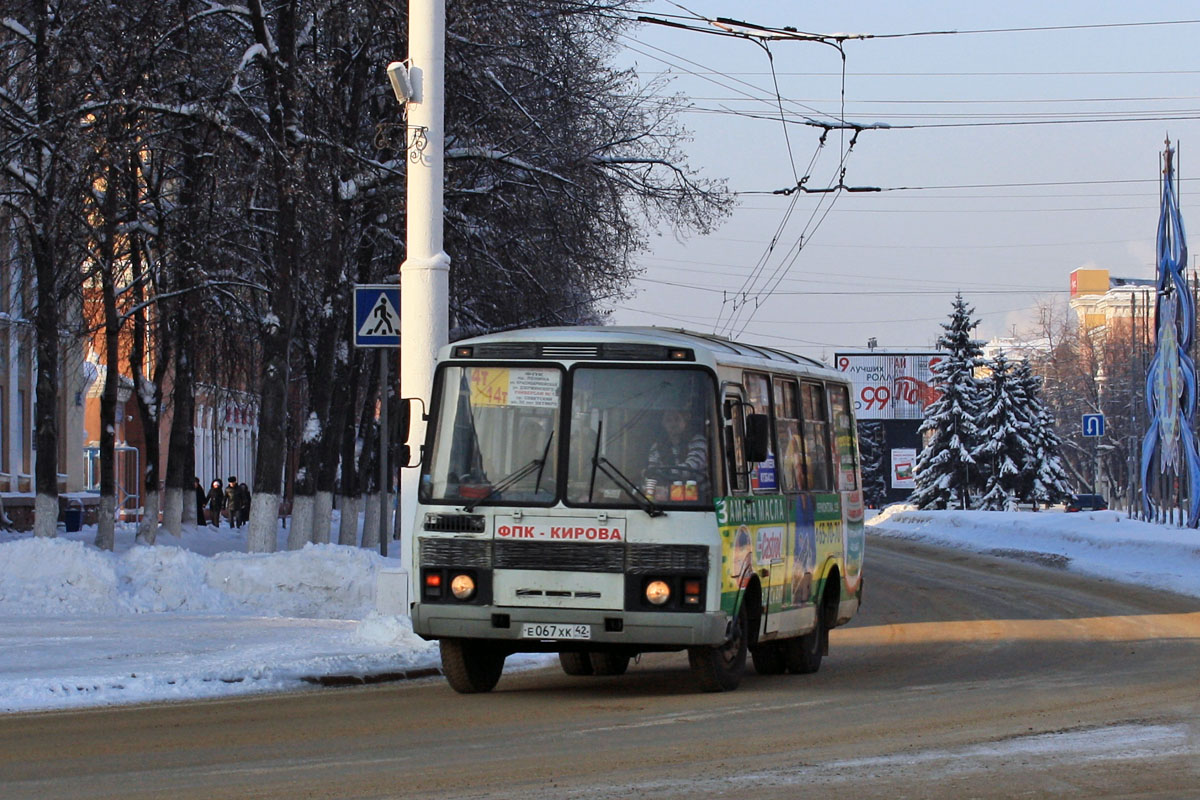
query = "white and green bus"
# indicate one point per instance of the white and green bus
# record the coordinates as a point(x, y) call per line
point(602, 492)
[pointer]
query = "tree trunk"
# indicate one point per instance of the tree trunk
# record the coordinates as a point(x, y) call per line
point(183, 403)
point(348, 527)
point(278, 329)
point(148, 527)
point(45, 435)
point(370, 531)
point(300, 531)
point(148, 394)
point(322, 517)
point(264, 522)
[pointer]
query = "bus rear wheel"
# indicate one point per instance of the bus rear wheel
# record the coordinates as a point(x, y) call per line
point(471, 667)
point(720, 668)
point(575, 663)
point(803, 654)
point(609, 663)
point(768, 658)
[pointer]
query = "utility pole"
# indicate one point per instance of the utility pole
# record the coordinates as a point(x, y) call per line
point(425, 273)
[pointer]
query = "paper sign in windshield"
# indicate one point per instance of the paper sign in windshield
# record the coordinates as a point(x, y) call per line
point(501, 386)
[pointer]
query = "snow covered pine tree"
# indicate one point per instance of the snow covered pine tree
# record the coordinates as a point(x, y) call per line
point(1045, 480)
point(1005, 437)
point(945, 470)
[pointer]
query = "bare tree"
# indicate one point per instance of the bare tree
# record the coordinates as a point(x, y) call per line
point(41, 111)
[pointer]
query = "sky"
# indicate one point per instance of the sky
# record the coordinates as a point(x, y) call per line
point(196, 617)
point(1012, 158)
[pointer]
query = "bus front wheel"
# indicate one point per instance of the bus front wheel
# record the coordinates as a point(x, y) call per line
point(719, 668)
point(471, 667)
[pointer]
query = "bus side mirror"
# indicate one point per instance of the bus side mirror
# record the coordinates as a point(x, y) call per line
point(758, 437)
point(408, 407)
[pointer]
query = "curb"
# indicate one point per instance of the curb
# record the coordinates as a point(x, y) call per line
point(362, 680)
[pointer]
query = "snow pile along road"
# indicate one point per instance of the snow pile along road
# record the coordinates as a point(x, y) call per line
point(1104, 544)
point(60, 577)
point(82, 627)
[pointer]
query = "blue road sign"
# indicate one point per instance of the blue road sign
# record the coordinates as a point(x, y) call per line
point(1093, 424)
point(377, 316)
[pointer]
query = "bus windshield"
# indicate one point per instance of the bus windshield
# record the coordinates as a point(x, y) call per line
point(639, 437)
point(641, 430)
point(496, 437)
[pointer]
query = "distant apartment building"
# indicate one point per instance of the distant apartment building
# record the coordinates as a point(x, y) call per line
point(1107, 305)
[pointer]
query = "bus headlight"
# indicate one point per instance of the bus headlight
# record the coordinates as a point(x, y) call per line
point(658, 592)
point(462, 586)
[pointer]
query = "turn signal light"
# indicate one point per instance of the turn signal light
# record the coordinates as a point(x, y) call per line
point(691, 592)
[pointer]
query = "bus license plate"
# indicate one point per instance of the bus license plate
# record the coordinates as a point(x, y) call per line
point(550, 630)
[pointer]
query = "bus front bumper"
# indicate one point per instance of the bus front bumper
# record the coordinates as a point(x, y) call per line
point(607, 627)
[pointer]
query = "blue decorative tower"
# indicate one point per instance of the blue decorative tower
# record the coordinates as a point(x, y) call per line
point(1171, 379)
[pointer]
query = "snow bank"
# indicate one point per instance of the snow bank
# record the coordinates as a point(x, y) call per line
point(59, 577)
point(1105, 544)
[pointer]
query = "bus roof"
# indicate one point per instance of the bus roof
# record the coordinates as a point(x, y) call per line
point(721, 349)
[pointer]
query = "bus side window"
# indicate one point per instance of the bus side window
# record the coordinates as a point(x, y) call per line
point(735, 445)
point(816, 437)
point(790, 463)
point(845, 447)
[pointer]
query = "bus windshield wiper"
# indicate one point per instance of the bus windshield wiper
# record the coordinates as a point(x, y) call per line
point(629, 487)
point(615, 475)
point(516, 476)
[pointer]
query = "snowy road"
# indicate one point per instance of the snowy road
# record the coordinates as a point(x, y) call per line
point(964, 676)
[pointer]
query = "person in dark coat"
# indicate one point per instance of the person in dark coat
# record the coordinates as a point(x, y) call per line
point(231, 501)
point(242, 495)
point(200, 500)
point(216, 501)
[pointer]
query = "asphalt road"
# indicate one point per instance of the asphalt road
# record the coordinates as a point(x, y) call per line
point(963, 676)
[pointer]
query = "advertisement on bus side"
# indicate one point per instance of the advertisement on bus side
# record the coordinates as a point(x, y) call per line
point(788, 538)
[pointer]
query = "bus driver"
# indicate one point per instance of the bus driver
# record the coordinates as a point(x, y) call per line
point(679, 455)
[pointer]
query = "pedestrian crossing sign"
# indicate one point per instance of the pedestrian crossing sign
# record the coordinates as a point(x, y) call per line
point(377, 316)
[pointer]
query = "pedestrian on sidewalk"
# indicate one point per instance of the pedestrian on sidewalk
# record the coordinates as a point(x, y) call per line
point(216, 501)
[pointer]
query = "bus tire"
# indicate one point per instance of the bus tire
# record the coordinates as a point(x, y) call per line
point(609, 663)
point(803, 653)
point(575, 663)
point(768, 659)
point(719, 668)
point(471, 667)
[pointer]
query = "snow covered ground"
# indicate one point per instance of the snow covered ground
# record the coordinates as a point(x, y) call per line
point(196, 617)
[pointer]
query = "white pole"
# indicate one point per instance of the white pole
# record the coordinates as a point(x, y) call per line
point(425, 273)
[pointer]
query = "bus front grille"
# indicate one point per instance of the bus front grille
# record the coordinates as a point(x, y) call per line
point(561, 556)
point(456, 553)
point(667, 558)
point(634, 559)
